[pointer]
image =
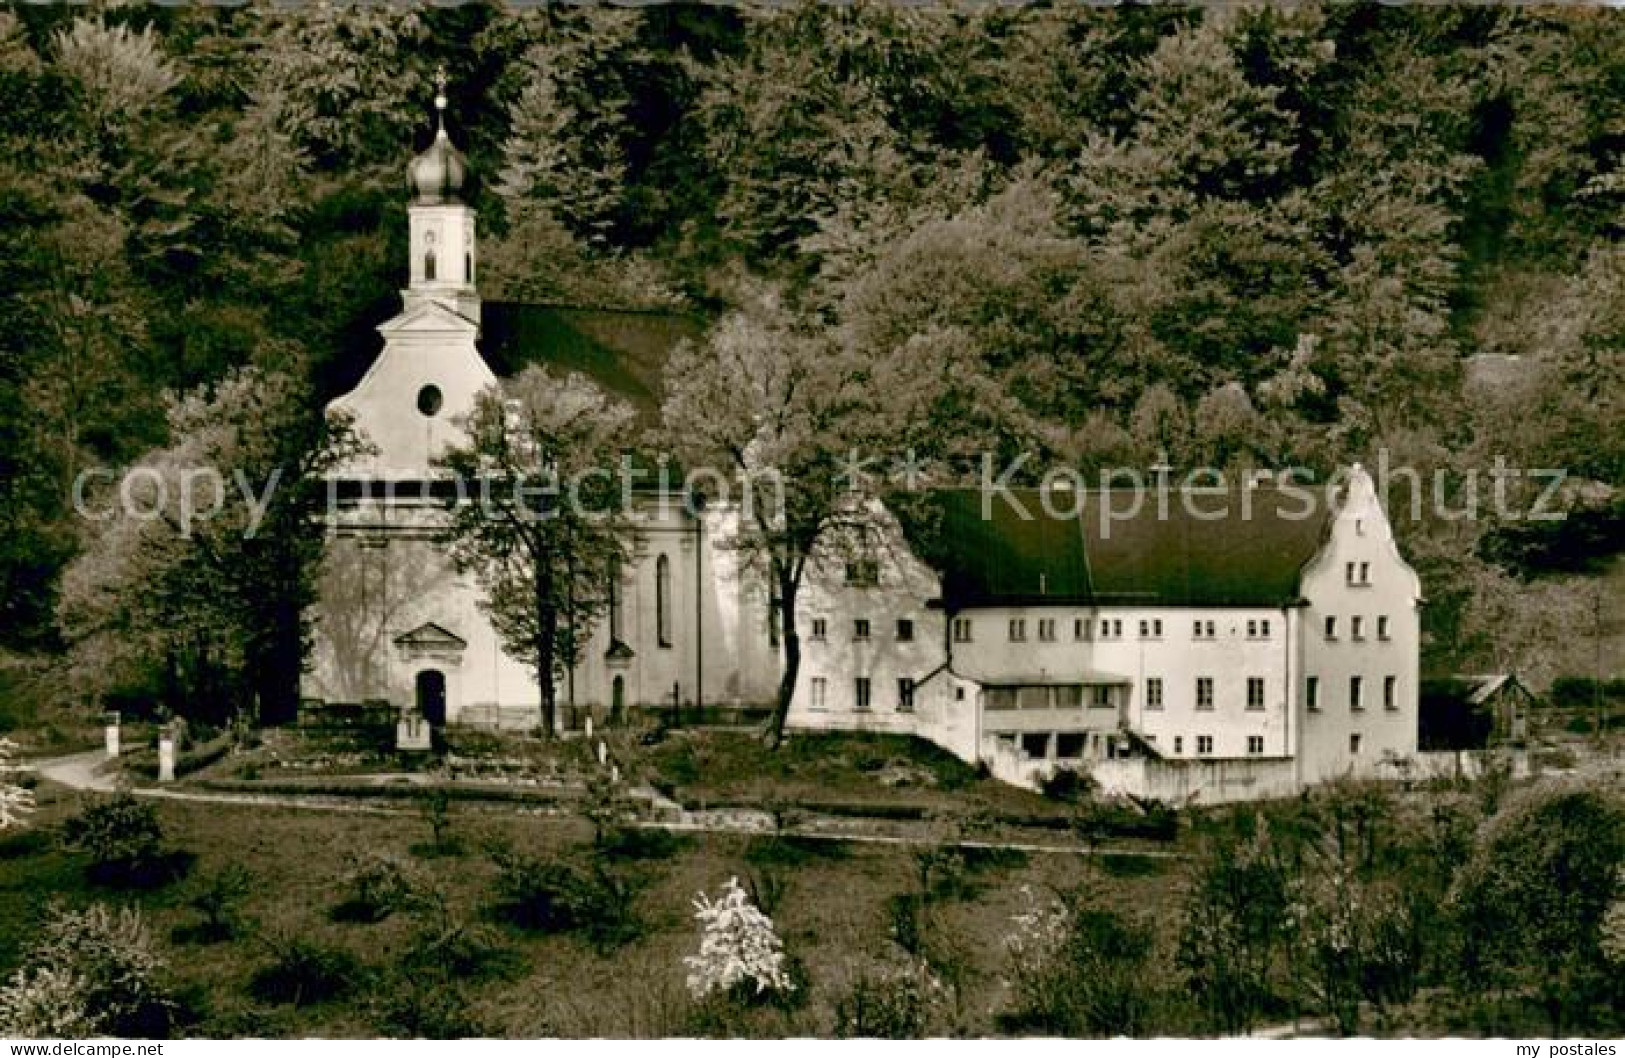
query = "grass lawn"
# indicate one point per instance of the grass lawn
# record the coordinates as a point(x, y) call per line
point(833, 911)
point(709, 767)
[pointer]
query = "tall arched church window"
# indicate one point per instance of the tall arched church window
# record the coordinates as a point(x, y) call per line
point(468, 267)
point(615, 628)
point(663, 600)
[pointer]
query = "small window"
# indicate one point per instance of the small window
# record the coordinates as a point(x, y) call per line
point(1203, 630)
point(1145, 629)
point(1080, 629)
point(962, 630)
point(429, 266)
point(1046, 629)
point(1331, 628)
point(1255, 692)
point(905, 630)
point(1356, 694)
point(1018, 629)
point(862, 688)
point(1311, 694)
point(820, 691)
point(1204, 692)
point(1357, 627)
point(959, 694)
point(905, 694)
point(1204, 745)
point(860, 628)
point(999, 699)
point(1264, 628)
point(1382, 626)
point(430, 401)
point(1365, 573)
point(1035, 746)
point(1179, 744)
point(820, 628)
point(1348, 573)
point(1354, 745)
point(1102, 697)
point(863, 573)
point(1153, 693)
point(1255, 745)
point(1390, 692)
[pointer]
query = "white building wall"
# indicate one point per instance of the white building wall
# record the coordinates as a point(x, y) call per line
point(1360, 534)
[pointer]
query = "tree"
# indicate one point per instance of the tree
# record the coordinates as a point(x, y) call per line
point(202, 570)
point(16, 802)
point(542, 528)
point(780, 411)
point(1532, 900)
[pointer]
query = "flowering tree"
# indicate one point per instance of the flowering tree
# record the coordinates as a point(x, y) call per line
point(15, 801)
point(738, 946)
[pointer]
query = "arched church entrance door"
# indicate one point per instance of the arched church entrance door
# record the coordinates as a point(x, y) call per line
point(431, 696)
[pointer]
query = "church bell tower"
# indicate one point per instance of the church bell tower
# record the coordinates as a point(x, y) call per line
point(442, 224)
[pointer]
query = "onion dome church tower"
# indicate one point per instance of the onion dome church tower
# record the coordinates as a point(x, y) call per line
point(442, 223)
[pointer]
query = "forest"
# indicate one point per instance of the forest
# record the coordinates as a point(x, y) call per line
point(1246, 236)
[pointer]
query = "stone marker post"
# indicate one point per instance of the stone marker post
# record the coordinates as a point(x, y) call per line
point(112, 735)
point(166, 754)
point(603, 751)
point(588, 725)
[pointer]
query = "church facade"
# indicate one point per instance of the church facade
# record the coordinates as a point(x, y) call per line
point(1280, 635)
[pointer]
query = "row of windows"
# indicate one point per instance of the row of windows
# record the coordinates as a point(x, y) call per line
point(1356, 696)
point(1204, 745)
point(1356, 626)
point(1105, 628)
point(862, 630)
point(863, 693)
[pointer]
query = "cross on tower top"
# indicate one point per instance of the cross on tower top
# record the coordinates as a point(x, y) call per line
point(440, 94)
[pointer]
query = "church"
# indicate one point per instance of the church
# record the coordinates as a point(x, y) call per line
point(1243, 646)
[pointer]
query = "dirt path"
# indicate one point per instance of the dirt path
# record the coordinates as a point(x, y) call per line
point(78, 771)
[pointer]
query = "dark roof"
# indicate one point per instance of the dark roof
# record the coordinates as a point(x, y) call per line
point(623, 351)
point(1094, 547)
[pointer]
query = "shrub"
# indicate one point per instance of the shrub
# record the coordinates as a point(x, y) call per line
point(16, 799)
point(45, 1003)
point(740, 952)
point(1079, 971)
point(303, 973)
point(1068, 785)
point(217, 899)
point(378, 884)
point(792, 850)
point(435, 806)
point(895, 1006)
point(557, 897)
point(437, 1011)
point(93, 971)
point(459, 951)
point(125, 843)
point(1531, 901)
point(642, 843)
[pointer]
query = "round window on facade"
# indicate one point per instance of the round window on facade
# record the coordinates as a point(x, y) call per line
point(429, 400)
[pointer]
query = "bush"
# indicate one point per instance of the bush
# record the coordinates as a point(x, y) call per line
point(378, 884)
point(792, 850)
point(92, 972)
point(437, 1011)
point(1079, 971)
point(125, 843)
point(642, 843)
point(217, 899)
point(304, 973)
point(1068, 785)
point(458, 951)
point(435, 806)
point(894, 1006)
point(558, 897)
point(740, 952)
point(1530, 903)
